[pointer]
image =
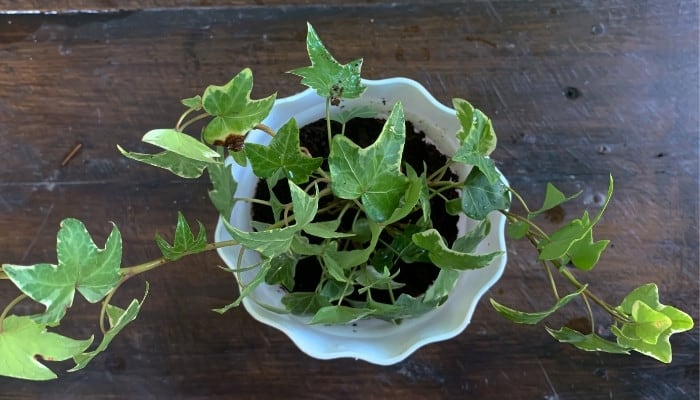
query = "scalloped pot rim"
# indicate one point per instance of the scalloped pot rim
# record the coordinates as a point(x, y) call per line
point(372, 340)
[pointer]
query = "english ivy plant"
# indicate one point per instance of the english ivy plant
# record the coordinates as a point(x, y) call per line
point(357, 211)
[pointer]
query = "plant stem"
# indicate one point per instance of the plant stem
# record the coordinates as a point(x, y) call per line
point(265, 129)
point(193, 120)
point(328, 121)
point(182, 118)
point(9, 307)
point(132, 271)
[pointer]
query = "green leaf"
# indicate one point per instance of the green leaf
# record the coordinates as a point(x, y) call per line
point(185, 242)
point(281, 272)
point(373, 173)
point(562, 240)
point(521, 317)
point(589, 342)
point(477, 139)
point(235, 113)
point(194, 103)
point(346, 259)
point(329, 78)
point(334, 290)
point(347, 114)
point(275, 241)
point(476, 128)
point(81, 266)
point(118, 319)
point(181, 143)
point(326, 230)
point(338, 315)
point(369, 277)
point(470, 240)
point(181, 166)
point(304, 303)
point(444, 257)
point(444, 283)
point(263, 269)
point(411, 197)
point(283, 153)
point(585, 253)
point(406, 306)
point(480, 197)
point(23, 341)
point(552, 198)
point(517, 229)
point(224, 187)
point(650, 316)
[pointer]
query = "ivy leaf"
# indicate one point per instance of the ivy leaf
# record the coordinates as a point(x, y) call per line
point(282, 271)
point(517, 229)
point(334, 290)
point(185, 242)
point(521, 317)
point(195, 103)
point(81, 266)
point(235, 113)
point(23, 341)
point(562, 239)
point(649, 318)
point(326, 230)
point(369, 277)
point(444, 257)
point(480, 197)
point(552, 198)
point(224, 187)
point(283, 153)
point(470, 240)
point(442, 286)
point(589, 342)
point(411, 197)
point(339, 261)
point(337, 315)
point(275, 241)
point(475, 127)
point(118, 319)
point(181, 166)
point(477, 139)
point(373, 173)
point(347, 114)
point(329, 78)
point(406, 306)
point(585, 253)
point(304, 303)
point(182, 144)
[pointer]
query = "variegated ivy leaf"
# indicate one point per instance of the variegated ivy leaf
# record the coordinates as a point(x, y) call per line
point(181, 166)
point(373, 173)
point(444, 257)
point(532, 318)
point(118, 319)
point(283, 153)
point(275, 241)
point(653, 323)
point(23, 341)
point(477, 139)
point(82, 266)
point(329, 78)
point(480, 196)
point(589, 342)
point(184, 242)
point(181, 144)
point(235, 113)
point(552, 198)
point(224, 187)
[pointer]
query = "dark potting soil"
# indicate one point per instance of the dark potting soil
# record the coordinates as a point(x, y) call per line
point(416, 276)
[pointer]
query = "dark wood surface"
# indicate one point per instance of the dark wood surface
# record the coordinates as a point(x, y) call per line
point(576, 90)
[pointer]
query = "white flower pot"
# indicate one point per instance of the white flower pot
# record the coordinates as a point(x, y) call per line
point(372, 340)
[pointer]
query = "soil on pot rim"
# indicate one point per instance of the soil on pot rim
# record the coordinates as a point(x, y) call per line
point(421, 155)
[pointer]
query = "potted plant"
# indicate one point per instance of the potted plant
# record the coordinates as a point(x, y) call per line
point(339, 232)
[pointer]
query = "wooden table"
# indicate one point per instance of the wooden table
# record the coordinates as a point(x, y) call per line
point(576, 90)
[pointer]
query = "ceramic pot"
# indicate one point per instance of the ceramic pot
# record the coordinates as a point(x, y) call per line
point(372, 340)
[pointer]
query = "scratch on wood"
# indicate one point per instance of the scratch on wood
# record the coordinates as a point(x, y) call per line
point(555, 395)
point(38, 232)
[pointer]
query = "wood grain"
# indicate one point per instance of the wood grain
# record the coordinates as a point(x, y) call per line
point(576, 91)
